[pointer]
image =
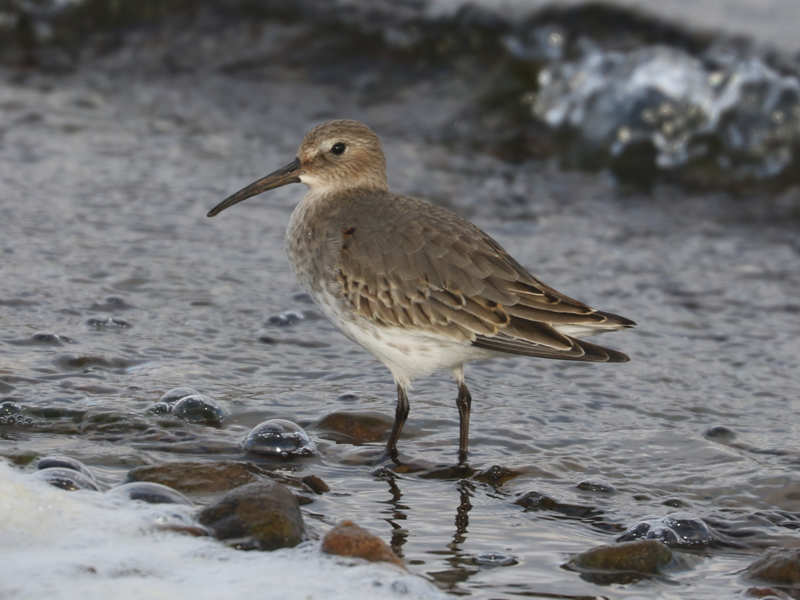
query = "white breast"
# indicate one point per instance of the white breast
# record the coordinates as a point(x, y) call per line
point(407, 353)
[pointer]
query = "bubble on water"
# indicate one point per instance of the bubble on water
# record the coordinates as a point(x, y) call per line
point(148, 491)
point(64, 462)
point(175, 394)
point(279, 437)
point(677, 529)
point(199, 408)
point(66, 479)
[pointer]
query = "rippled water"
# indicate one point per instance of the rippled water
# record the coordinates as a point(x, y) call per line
point(116, 288)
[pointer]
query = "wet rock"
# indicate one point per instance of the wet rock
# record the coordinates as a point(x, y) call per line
point(644, 557)
point(153, 493)
point(348, 539)
point(263, 515)
point(356, 427)
point(50, 339)
point(496, 475)
point(11, 413)
point(109, 323)
point(596, 486)
point(780, 566)
point(714, 117)
point(197, 478)
point(88, 362)
point(284, 319)
point(677, 529)
point(317, 485)
point(769, 593)
point(175, 394)
point(64, 462)
point(347, 397)
point(279, 437)
point(66, 479)
point(720, 433)
point(199, 408)
point(160, 408)
point(111, 304)
point(537, 501)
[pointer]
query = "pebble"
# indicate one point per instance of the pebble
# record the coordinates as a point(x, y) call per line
point(779, 566)
point(348, 539)
point(262, 515)
point(641, 557)
point(356, 427)
point(196, 477)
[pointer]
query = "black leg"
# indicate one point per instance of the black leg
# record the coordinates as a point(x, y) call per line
point(464, 402)
point(400, 416)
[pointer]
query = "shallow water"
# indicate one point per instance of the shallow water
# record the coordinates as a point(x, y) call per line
point(116, 288)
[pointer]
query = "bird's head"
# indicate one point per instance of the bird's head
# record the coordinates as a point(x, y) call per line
point(335, 156)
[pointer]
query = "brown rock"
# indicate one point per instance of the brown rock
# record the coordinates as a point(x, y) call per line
point(348, 539)
point(356, 427)
point(317, 485)
point(196, 478)
point(779, 566)
point(642, 556)
point(263, 515)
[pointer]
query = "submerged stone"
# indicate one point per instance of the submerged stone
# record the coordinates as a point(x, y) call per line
point(67, 479)
point(195, 477)
point(316, 484)
point(644, 557)
point(348, 539)
point(538, 501)
point(109, 323)
point(262, 515)
point(199, 408)
point(677, 529)
point(49, 339)
point(279, 437)
point(596, 486)
point(496, 475)
point(356, 427)
point(153, 493)
point(780, 566)
point(160, 408)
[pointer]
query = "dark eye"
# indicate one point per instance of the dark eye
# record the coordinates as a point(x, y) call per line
point(338, 148)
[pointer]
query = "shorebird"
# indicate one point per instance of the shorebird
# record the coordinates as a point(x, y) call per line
point(415, 284)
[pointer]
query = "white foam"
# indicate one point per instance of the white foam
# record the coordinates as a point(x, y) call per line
point(57, 544)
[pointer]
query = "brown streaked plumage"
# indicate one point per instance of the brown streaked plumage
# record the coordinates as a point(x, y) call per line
point(415, 284)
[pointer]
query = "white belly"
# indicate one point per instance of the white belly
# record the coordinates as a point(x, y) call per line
point(407, 353)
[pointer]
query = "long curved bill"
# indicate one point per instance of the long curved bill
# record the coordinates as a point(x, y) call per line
point(283, 176)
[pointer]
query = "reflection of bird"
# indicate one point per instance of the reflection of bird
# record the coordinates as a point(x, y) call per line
point(416, 285)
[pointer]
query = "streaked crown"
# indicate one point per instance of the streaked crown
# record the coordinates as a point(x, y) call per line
point(342, 154)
